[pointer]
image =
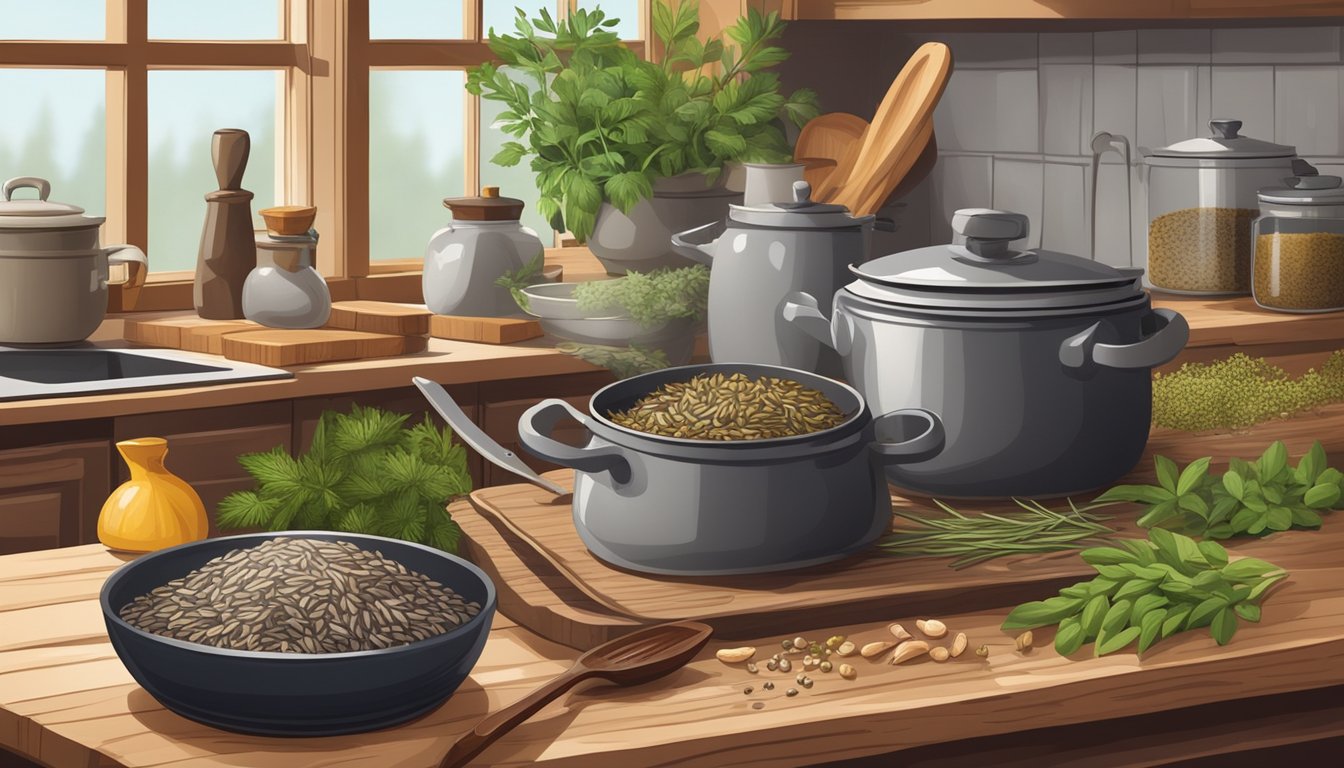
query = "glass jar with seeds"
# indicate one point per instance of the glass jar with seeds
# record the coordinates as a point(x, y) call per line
point(1299, 246)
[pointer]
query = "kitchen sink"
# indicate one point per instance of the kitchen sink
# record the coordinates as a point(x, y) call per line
point(36, 373)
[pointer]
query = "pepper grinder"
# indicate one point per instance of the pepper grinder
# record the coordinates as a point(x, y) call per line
point(228, 252)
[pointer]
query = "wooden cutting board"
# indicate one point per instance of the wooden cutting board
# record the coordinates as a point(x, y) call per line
point(305, 347)
point(188, 332)
point(380, 317)
point(487, 330)
point(601, 602)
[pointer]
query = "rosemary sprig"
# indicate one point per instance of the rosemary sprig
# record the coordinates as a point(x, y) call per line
point(975, 539)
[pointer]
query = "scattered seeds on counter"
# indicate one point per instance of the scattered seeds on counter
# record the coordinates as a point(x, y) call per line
point(767, 685)
point(982, 651)
point(800, 643)
point(940, 653)
point(874, 649)
point(772, 665)
point(747, 690)
point(908, 650)
point(931, 627)
point(835, 641)
point(758, 705)
point(806, 682)
point(848, 672)
point(751, 667)
point(825, 666)
point(785, 665)
point(791, 692)
point(786, 644)
point(800, 678)
point(1023, 642)
point(846, 648)
point(900, 633)
point(958, 644)
point(816, 649)
point(735, 655)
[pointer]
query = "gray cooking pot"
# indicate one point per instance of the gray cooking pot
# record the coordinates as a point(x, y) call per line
point(699, 507)
point(1039, 363)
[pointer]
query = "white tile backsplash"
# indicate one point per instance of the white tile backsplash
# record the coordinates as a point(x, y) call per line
point(1065, 48)
point(1306, 109)
point(1114, 229)
point(1276, 45)
point(1063, 223)
point(1018, 186)
point(1115, 103)
point(1066, 108)
point(1174, 46)
point(1119, 47)
point(958, 181)
point(989, 111)
point(1167, 105)
point(1245, 94)
point(1203, 101)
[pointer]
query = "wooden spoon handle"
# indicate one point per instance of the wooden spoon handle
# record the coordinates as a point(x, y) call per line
point(491, 728)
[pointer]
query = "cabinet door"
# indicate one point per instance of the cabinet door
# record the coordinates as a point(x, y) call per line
point(506, 401)
point(204, 445)
point(50, 496)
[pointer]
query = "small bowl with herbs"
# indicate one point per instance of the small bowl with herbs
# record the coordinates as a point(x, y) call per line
point(648, 320)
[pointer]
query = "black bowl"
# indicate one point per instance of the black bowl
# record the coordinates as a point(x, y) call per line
point(296, 694)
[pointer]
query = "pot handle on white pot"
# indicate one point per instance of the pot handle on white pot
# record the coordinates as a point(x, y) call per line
point(695, 245)
point(908, 436)
point(1166, 343)
point(137, 269)
point(534, 429)
point(801, 310)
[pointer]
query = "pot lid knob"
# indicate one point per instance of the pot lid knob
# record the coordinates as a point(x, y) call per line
point(988, 232)
point(1225, 129)
point(802, 196)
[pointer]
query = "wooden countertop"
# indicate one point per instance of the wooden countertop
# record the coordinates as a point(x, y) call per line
point(67, 700)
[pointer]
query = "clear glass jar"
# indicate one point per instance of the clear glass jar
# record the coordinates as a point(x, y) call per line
point(1201, 202)
point(1299, 246)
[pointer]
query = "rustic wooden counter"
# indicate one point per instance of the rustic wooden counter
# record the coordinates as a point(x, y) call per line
point(66, 699)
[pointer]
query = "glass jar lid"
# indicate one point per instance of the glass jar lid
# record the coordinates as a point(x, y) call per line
point(1305, 190)
point(1225, 142)
point(986, 273)
point(802, 213)
point(488, 207)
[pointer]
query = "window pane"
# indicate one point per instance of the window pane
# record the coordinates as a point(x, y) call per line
point(416, 19)
point(517, 181)
point(53, 20)
point(625, 10)
point(232, 20)
point(500, 16)
point(59, 134)
point(185, 110)
point(416, 124)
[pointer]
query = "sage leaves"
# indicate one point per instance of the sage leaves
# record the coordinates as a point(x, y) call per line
point(1147, 591)
point(1251, 497)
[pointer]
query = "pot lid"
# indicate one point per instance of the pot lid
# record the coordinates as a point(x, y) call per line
point(488, 207)
point(986, 273)
point(802, 213)
point(1224, 141)
point(40, 212)
point(1305, 190)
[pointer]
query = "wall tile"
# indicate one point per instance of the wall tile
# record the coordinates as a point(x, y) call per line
point(1245, 94)
point(1306, 109)
point(1174, 46)
point(1063, 224)
point(990, 50)
point(1119, 47)
point(989, 111)
point(1115, 103)
point(911, 214)
point(1117, 219)
point(1276, 45)
point(1066, 108)
point(1204, 100)
point(965, 181)
point(1167, 105)
point(1018, 186)
point(1065, 48)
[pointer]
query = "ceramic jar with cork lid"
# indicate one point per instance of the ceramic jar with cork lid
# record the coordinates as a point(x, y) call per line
point(465, 259)
point(285, 290)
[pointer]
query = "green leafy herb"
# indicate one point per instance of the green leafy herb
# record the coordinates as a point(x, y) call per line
point(598, 123)
point(975, 539)
point(1150, 590)
point(1240, 391)
point(526, 275)
point(624, 362)
point(1251, 497)
point(365, 473)
point(651, 298)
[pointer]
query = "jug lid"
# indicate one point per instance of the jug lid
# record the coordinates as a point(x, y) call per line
point(489, 206)
point(40, 212)
point(1225, 141)
point(986, 272)
point(802, 213)
point(1305, 190)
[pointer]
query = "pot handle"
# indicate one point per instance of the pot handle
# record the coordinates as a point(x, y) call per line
point(1082, 349)
point(42, 186)
point(136, 268)
point(534, 429)
point(694, 246)
point(801, 310)
point(908, 436)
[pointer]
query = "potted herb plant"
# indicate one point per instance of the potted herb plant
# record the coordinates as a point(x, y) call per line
point(628, 151)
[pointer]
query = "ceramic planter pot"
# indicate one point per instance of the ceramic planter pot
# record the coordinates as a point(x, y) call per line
point(642, 239)
point(1039, 363)
point(704, 507)
point(53, 274)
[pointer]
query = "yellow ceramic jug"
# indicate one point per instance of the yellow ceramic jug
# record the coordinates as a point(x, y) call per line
point(155, 508)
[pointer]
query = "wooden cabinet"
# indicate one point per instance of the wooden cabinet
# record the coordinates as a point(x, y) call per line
point(50, 495)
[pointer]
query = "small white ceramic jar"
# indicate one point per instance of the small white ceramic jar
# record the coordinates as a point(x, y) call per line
point(465, 259)
point(285, 290)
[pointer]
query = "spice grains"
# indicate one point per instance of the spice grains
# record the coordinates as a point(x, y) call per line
point(300, 595)
point(733, 407)
point(1203, 250)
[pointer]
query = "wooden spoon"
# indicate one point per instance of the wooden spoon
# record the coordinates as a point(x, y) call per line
point(639, 657)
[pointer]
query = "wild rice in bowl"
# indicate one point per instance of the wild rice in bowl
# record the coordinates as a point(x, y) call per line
point(297, 595)
point(734, 407)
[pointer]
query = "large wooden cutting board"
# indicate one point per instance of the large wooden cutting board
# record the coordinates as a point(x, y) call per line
point(538, 535)
point(318, 345)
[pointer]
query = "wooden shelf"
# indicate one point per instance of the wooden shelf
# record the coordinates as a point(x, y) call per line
point(857, 10)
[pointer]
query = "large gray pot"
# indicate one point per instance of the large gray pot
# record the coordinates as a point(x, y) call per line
point(696, 507)
point(1039, 363)
point(642, 239)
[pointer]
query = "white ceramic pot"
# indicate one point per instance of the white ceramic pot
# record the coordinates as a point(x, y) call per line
point(284, 290)
point(465, 259)
point(53, 274)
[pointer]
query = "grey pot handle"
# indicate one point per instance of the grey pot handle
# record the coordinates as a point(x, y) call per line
point(908, 436)
point(695, 245)
point(534, 429)
point(1082, 349)
point(800, 309)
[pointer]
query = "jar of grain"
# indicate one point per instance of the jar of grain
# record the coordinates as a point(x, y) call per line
point(1201, 202)
point(1299, 246)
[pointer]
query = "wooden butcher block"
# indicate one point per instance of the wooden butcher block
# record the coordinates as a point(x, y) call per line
point(380, 317)
point(485, 330)
point(186, 332)
point(282, 348)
